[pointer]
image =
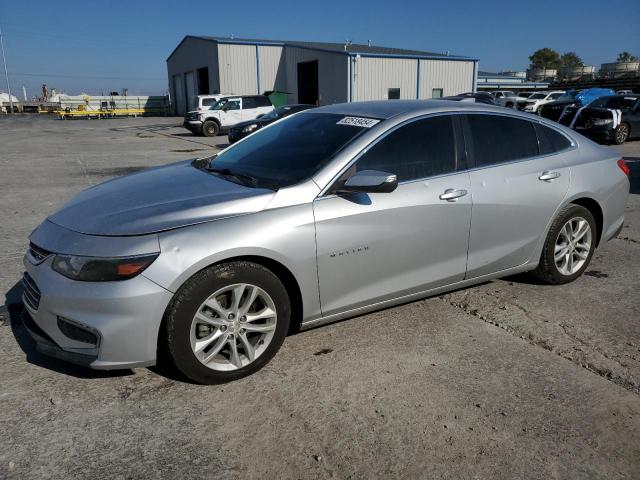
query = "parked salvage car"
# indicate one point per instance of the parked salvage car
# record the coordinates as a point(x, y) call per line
point(536, 100)
point(242, 129)
point(564, 108)
point(226, 112)
point(610, 119)
point(506, 98)
point(474, 97)
point(332, 213)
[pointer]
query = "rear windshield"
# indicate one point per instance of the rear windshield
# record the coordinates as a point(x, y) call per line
point(292, 150)
point(621, 103)
point(538, 95)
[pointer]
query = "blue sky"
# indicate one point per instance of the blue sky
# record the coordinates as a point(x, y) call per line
point(101, 46)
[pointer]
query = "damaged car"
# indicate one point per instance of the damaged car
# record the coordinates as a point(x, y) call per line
point(613, 119)
point(565, 107)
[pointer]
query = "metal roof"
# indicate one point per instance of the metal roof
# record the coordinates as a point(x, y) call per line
point(342, 48)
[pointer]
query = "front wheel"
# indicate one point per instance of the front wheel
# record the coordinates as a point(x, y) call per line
point(210, 128)
point(227, 322)
point(621, 134)
point(569, 246)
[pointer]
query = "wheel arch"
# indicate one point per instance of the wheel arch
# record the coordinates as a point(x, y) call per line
point(596, 210)
point(278, 268)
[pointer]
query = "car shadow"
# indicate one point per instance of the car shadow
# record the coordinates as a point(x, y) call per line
point(13, 302)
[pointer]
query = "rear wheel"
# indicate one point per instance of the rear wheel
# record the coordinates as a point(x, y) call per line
point(569, 246)
point(227, 322)
point(621, 134)
point(210, 128)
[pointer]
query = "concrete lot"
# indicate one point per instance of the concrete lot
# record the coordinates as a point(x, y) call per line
point(505, 380)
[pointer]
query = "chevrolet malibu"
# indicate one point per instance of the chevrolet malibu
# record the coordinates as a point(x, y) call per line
point(325, 215)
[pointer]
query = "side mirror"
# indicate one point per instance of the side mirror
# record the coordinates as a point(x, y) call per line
point(225, 109)
point(370, 181)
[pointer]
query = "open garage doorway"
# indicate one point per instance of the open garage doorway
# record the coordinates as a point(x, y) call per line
point(308, 82)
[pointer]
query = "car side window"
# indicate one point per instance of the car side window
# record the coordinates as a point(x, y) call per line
point(421, 149)
point(233, 105)
point(249, 102)
point(262, 101)
point(207, 102)
point(550, 140)
point(495, 139)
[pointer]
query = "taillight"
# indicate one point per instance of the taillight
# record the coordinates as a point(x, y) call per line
point(624, 167)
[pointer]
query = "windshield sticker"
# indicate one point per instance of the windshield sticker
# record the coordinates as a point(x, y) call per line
point(358, 122)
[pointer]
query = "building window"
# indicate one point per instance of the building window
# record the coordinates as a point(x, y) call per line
point(394, 94)
point(437, 92)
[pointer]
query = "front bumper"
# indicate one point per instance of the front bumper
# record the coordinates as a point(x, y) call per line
point(235, 135)
point(124, 315)
point(194, 126)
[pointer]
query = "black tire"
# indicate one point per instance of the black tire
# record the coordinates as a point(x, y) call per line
point(621, 134)
point(194, 292)
point(210, 128)
point(547, 271)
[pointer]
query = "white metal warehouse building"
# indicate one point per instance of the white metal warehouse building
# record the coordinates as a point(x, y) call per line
point(312, 72)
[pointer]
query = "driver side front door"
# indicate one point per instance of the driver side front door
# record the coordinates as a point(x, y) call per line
point(380, 246)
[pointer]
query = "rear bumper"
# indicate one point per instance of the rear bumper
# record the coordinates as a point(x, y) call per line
point(597, 134)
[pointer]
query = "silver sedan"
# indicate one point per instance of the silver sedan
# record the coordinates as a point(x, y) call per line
point(324, 215)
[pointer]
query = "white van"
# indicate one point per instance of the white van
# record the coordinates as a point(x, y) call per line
point(225, 113)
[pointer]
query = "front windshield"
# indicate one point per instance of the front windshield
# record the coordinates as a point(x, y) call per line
point(288, 152)
point(620, 103)
point(538, 96)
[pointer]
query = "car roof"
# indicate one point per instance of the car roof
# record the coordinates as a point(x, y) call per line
point(385, 109)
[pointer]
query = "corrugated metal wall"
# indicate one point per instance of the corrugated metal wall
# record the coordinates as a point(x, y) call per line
point(272, 68)
point(333, 77)
point(192, 54)
point(373, 77)
point(238, 72)
point(453, 77)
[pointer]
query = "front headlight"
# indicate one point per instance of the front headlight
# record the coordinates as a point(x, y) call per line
point(602, 121)
point(95, 269)
point(249, 128)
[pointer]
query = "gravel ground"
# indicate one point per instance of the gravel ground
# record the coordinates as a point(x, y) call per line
point(508, 379)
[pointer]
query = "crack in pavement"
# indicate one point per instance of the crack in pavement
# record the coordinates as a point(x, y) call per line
point(581, 360)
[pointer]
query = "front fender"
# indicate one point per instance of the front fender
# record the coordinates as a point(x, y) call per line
point(285, 235)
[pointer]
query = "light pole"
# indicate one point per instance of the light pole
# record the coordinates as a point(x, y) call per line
point(6, 74)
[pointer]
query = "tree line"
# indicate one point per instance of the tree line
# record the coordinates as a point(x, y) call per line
point(549, 59)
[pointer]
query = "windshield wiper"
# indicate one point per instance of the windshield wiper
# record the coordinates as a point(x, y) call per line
point(244, 179)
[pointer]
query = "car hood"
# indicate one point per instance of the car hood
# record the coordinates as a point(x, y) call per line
point(257, 121)
point(158, 199)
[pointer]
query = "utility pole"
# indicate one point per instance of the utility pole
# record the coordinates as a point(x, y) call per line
point(6, 74)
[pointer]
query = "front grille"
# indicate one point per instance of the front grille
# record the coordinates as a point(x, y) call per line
point(39, 254)
point(31, 295)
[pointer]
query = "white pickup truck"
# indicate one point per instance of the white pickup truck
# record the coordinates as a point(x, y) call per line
point(225, 113)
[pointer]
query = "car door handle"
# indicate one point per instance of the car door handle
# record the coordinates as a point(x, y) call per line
point(451, 195)
point(548, 176)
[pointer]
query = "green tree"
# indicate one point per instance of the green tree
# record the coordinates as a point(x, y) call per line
point(545, 58)
point(570, 60)
point(626, 57)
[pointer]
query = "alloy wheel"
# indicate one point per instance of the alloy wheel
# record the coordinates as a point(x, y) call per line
point(573, 246)
point(622, 133)
point(233, 327)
